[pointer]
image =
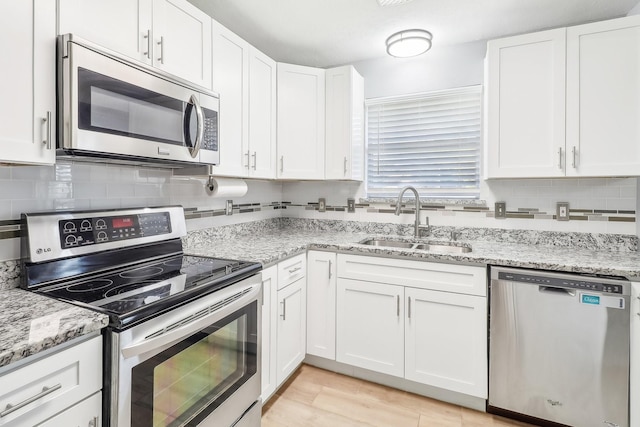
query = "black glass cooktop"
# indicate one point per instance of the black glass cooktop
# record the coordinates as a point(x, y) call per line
point(138, 292)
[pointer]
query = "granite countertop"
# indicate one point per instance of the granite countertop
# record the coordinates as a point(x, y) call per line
point(275, 245)
point(31, 323)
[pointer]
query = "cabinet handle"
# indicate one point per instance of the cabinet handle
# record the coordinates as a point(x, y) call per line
point(161, 44)
point(329, 269)
point(46, 121)
point(281, 163)
point(560, 158)
point(345, 165)
point(293, 270)
point(398, 305)
point(147, 37)
point(247, 154)
point(45, 391)
point(284, 309)
point(573, 154)
point(94, 422)
point(255, 160)
point(409, 307)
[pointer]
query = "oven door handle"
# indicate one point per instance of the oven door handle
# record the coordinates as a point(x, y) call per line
point(171, 335)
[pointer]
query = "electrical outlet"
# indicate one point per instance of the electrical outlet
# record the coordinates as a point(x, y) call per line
point(562, 211)
point(351, 205)
point(501, 210)
point(322, 204)
point(229, 208)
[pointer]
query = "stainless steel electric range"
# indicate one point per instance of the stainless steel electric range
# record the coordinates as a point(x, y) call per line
point(183, 344)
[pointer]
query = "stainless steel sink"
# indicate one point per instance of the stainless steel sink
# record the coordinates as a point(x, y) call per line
point(444, 247)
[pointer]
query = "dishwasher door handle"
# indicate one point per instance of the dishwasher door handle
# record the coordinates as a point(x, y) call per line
point(557, 291)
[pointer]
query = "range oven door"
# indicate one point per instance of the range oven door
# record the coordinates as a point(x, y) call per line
point(119, 111)
point(198, 365)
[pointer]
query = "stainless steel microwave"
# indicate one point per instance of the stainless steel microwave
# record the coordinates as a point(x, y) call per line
point(115, 110)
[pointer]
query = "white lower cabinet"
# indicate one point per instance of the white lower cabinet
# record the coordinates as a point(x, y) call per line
point(38, 391)
point(421, 332)
point(291, 342)
point(635, 356)
point(82, 414)
point(269, 295)
point(321, 304)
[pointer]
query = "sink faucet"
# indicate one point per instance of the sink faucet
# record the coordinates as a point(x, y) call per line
point(417, 225)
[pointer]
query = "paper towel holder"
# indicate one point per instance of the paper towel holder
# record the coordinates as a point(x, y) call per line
point(198, 171)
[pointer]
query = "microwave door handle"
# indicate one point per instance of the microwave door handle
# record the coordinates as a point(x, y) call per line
point(200, 126)
point(173, 336)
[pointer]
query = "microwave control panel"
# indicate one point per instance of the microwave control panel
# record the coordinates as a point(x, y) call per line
point(103, 229)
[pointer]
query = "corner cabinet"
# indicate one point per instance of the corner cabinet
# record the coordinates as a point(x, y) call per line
point(301, 122)
point(321, 304)
point(344, 124)
point(421, 321)
point(246, 79)
point(564, 102)
point(171, 35)
point(634, 395)
point(27, 106)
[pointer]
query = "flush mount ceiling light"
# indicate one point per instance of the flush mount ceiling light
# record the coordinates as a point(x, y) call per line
point(407, 43)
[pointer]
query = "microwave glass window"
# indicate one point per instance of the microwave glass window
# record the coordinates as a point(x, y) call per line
point(112, 106)
point(185, 382)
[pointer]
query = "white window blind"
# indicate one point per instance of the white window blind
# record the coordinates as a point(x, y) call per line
point(430, 141)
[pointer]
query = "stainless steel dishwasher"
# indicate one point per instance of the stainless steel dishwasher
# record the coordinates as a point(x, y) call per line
point(559, 347)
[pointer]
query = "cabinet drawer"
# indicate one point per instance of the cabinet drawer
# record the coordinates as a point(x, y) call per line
point(87, 413)
point(47, 386)
point(291, 270)
point(461, 279)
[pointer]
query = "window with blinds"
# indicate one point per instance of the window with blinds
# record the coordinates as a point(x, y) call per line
point(430, 141)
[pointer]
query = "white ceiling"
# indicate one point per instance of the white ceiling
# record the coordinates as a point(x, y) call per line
point(324, 33)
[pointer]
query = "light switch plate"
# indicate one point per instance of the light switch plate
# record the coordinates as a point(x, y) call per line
point(562, 211)
point(322, 204)
point(351, 205)
point(229, 208)
point(501, 210)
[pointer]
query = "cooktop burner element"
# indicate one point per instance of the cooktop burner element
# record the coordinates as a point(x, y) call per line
point(136, 278)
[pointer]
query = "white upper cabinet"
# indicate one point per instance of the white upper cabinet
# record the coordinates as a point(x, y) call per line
point(231, 81)
point(344, 153)
point(525, 90)
point(301, 121)
point(603, 98)
point(172, 35)
point(27, 104)
point(245, 78)
point(539, 126)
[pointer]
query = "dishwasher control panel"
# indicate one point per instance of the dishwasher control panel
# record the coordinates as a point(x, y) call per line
point(593, 284)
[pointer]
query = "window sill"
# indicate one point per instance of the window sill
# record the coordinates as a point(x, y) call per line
point(426, 202)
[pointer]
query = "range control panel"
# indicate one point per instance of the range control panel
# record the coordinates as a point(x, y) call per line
point(575, 282)
point(103, 229)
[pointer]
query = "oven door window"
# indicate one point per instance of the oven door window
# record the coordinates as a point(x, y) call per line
point(186, 382)
point(115, 107)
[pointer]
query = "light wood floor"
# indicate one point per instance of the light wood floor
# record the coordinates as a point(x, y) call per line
point(313, 397)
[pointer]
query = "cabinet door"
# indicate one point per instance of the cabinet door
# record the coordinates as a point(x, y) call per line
point(123, 26)
point(344, 157)
point(231, 81)
point(603, 101)
point(182, 41)
point(525, 116)
point(321, 304)
point(370, 326)
point(27, 105)
point(269, 325)
point(634, 395)
point(291, 329)
point(262, 115)
point(300, 122)
point(87, 413)
point(446, 341)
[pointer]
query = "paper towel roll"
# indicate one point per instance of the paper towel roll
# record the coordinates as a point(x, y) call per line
point(227, 187)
